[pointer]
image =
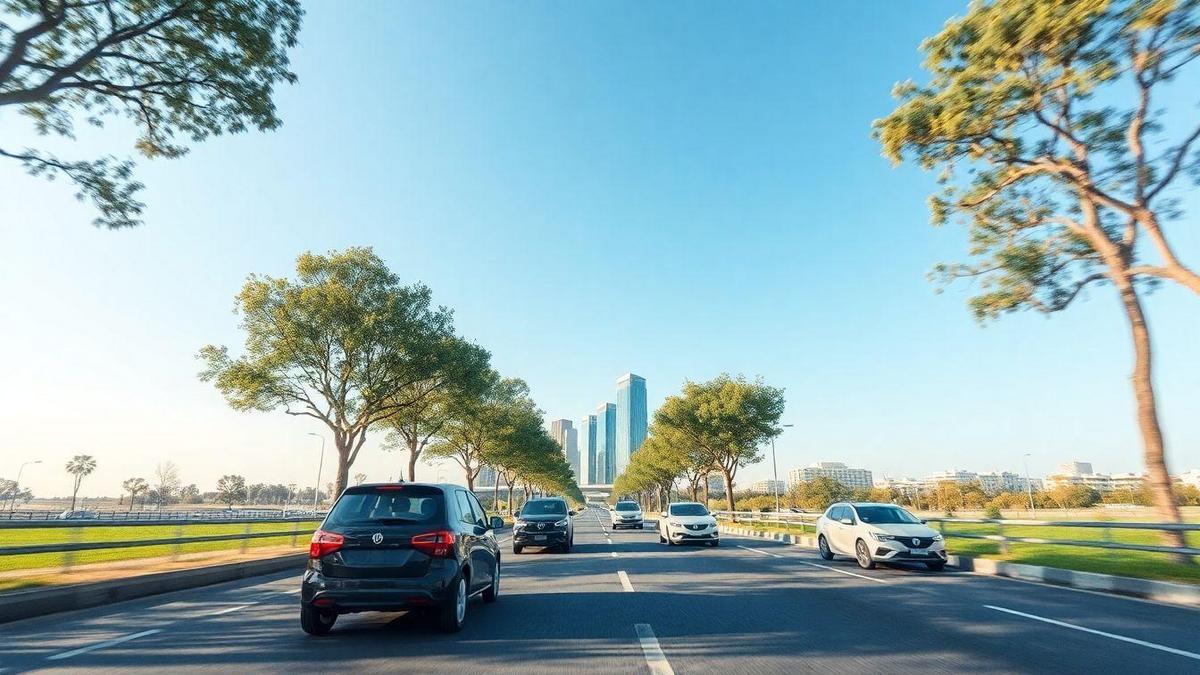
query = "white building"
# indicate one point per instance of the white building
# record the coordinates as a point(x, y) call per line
point(953, 476)
point(1080, 473)
point(1007, 481)
point(851, 478)
point(768, 487)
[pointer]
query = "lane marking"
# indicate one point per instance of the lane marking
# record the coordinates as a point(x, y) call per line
point(614, 554)
point(230, 610)
point(1093, 631)
point(625, 581)
point(102, 645)
point(655, 658)
point(773, 555)
point(292, 591)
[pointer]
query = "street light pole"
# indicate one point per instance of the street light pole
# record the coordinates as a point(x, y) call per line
point(775, 470)
point(1029, 486)
point(12, 503)
point(320, 465)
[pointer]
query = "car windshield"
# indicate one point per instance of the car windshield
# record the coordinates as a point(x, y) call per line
point(545, 507)
point(399, 505)
point(688, 510)
point(885, 515)
point(628, 506)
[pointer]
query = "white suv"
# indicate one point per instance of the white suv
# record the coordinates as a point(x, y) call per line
point(687, 521)
point(878, 533)
point(626, 515)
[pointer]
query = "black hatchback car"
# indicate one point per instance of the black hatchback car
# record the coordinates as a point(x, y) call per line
point(401, 546)
point(544, 522)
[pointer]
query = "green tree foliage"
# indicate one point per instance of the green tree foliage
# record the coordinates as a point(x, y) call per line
point(231, 489)
point(179, 69)
point(79, 466)
point(725, 421)
point(1044, 120)
point(339, 344)
point(817, 494)
point(135, 487)
point(13, 493)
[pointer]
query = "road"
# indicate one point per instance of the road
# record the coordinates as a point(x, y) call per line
point(622, 603)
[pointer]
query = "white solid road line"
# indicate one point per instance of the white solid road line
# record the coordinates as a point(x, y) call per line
point(811, 564)
point(1114, 636)
point(291, 591)
point(229, 610)
point(625, 581)
point(652, 651)
point(102, 645)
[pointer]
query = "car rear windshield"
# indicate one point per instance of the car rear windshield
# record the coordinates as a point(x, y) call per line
point(688, 510)
point(544, 507)
point(885, 515)
point(628, 506)
point(397, 505)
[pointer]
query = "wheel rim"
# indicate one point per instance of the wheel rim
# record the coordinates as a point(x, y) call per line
point(824, 545)
point(460, 602)
point(863, 558)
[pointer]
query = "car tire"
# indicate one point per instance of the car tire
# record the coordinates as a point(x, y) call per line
point(936, 566)
point(823, 548)
point(517, 549)
point(315, 621)
point(715, 543)
point(453, 614)
point(863, 555)
point(493, 591)
point(661, 539)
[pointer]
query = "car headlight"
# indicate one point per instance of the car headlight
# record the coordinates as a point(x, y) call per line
point(937, 537)
point(883, 537)
point(561, 523)
point(674, 524)
point(519, 524)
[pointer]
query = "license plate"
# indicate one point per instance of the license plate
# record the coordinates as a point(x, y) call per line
point(539, 537)
point(916, 552)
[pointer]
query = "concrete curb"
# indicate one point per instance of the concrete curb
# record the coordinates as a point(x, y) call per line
point(41, 601)
point(1159, 591)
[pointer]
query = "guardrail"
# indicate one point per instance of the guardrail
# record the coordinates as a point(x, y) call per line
point(804, 520)
point(160, 515)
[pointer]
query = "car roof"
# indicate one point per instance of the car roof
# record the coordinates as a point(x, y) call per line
point(865, 504)
point(678, 503)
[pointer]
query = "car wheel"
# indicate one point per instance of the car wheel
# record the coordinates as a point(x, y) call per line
point(715, 543)
point(492, 592)
point(936, 566)
point(863, 555)
point(517, 549)
point(453, 613)
point(823, 547)
point(661, 539)
point(315, 621)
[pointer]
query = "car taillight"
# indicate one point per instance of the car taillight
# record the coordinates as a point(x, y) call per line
point(323, 543)
point(438, 544)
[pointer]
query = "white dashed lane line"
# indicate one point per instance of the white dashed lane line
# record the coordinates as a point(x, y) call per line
point(625, 581)
point(103, 645)
point(1093, 631)
point(655, 658)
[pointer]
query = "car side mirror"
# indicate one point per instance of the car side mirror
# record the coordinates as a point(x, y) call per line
point(924, 522)
point(497, 522)
point(570, 513)
point(847, 521)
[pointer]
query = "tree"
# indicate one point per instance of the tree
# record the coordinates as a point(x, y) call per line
point(1041, 116)
point(79, 466)
point(338, 344)
point(176, 68)
point(134, 487)
point(166, 483)
point(190, 494)
point(12, 493)
point(359, 478)
point(818, 493)
point(426, 405)
point(726, 419)
point(230, 489)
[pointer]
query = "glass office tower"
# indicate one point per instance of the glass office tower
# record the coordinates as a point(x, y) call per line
point(587, 450)
point(631, 419)
point(606, 443)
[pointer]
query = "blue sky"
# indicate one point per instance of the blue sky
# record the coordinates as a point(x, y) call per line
point(594, 188)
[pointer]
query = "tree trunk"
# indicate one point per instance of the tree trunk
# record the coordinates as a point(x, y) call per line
point(729, 488)
point(343, 466)
point(706, 497)
point(74, 493)
point(470, 478)
point(496, 492)
point(413, 455)
point(510, 499)
point(1147, 414)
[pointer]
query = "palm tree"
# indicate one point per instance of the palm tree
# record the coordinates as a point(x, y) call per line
point(80, 466)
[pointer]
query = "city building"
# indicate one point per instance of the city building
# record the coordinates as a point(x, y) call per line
point(906, 486)
point(631, 419)
point(606, 443)
point(851, 478)
point(768, 487)
point(563, 432)
point(486, 477)
point(952, 476)
point(1007, 481)
point(587, 450)
point(1081, 473)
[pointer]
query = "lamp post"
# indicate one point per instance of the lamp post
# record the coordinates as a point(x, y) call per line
point(775, 469)
point(12, 504)
point(317, 487)
point(1029, 486)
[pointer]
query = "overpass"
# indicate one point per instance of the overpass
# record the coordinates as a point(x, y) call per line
point(597, 492)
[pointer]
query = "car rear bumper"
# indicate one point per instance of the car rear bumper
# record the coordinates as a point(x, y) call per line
point(377, 595)
point(539, 538)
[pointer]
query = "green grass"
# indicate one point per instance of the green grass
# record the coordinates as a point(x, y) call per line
point(18, 537)
point(1140, 564)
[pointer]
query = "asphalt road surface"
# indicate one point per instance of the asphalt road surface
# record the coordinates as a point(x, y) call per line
point(623, 603)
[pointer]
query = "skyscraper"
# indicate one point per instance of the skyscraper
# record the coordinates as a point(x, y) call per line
point(587, 450)
point(606, 443)
point(631, 419)
point(563, 433)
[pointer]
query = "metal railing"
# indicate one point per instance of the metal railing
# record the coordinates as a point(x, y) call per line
point(789, 520)
point(170, 515)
